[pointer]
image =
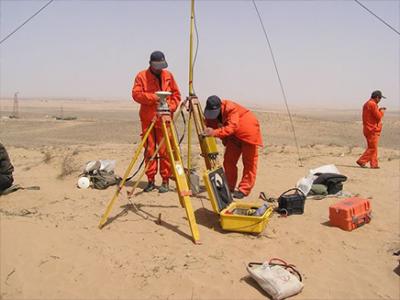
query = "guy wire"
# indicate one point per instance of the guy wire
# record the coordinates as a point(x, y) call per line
point(280, 83)
point(26, 21)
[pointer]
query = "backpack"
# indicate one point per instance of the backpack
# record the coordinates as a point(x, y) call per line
point(101, 174)
point(103, 179)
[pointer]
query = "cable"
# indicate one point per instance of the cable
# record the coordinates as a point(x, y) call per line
point(380, 19)
point(184, 128)
point(280, 81)
point(30, 18)
point(137, 170)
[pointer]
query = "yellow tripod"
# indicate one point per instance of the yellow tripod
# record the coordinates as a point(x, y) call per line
point(178, 171)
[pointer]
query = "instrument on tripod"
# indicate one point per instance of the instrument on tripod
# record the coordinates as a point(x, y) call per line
point(163, 105)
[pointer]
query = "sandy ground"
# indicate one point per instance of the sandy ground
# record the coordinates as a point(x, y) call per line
point(51, 247)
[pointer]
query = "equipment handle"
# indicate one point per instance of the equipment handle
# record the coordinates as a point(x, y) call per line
point(361, 220)
point(282, 263)
point(263, 197)
point(292, 189)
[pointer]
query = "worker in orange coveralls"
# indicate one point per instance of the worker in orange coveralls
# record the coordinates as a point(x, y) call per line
point(241, 135)
point(147, 82)
point(372, 127)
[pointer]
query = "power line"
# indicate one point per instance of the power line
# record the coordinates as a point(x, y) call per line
point(280, 81)
point(30, 18)
point(380, 19)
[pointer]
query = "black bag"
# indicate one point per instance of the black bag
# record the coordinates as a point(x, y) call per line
point(334, 182)
point(103, 179)
point(290, 204)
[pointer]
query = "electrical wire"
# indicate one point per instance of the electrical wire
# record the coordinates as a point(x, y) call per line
point(137, 170)
point(280, 81)
point(26, 21)
point(184, 128)
point(376, 16)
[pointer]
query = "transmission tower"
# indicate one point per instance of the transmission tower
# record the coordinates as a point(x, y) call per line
point(15, 113)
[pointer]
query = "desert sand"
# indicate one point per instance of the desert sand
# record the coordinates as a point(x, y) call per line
point(51, 247)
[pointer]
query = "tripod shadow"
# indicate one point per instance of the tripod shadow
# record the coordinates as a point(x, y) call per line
point(139, 211)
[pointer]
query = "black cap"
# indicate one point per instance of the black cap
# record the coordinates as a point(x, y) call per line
point(377, 94)
point(213, 107)
point(157, 60)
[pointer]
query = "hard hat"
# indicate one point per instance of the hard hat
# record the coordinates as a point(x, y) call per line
point(83, 182)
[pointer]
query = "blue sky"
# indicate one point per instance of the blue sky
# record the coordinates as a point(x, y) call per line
point(329, 53)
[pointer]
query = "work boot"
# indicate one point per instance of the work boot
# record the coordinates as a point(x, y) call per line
point(164, 188)
point(238, 195)
point(360, 164)
point(149, 187)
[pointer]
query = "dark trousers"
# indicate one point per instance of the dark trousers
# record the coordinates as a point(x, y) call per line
point(5, 182)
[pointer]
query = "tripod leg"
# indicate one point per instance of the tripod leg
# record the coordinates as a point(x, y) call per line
point(128, 170)
point(180, 177)
point(189, 143)
point(135, 185)
point(146, 167)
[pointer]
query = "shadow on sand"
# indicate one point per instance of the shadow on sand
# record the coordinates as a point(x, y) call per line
point(250, 281)
point(138, 210)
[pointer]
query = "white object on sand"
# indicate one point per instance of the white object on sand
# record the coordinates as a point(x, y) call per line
point(83, 182)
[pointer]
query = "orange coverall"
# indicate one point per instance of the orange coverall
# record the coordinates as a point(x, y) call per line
point(240, 133)
point(143, 91)
point(372, 127)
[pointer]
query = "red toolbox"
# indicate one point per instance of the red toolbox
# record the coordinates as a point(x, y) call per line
point(350, 213)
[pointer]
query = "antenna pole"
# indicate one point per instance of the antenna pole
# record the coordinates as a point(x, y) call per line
point(191, 92)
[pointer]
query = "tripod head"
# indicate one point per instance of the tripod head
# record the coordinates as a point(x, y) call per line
point(163, 105)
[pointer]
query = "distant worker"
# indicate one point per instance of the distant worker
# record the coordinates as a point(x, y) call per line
point(241, 135)
point(6, 170)
point(147, 82)
point(372, 126)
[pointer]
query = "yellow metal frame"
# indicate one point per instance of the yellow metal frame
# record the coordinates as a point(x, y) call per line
point(127, 172)
point(174, 155)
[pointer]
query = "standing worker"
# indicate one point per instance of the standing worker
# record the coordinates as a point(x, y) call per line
point(147, 82)
point(241, 135)
point(6, 169)
point(372, 126)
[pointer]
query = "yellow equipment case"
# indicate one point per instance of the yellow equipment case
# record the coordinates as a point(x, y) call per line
point(223, 204)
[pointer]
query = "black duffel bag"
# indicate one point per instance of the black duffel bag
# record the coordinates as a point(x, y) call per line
point(334, 182)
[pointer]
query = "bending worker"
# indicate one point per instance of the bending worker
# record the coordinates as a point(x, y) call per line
point(147, 82)
point(6, 169)
point(372, 126)
point(241, 135)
